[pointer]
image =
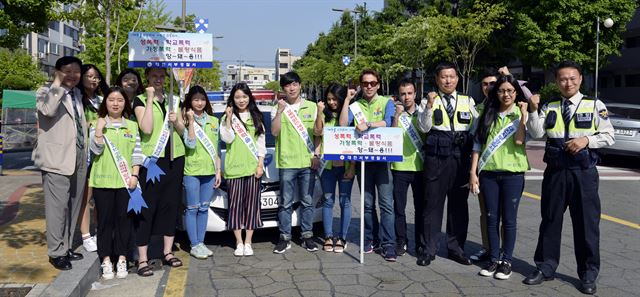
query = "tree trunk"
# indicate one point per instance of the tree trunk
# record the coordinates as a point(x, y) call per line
point(107, 44)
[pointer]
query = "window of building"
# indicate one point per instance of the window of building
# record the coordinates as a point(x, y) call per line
point(233, 77)
point(71, 32)
point(246, 77)
point(53, 48)
point(69, 51)
point(284, 65)
point(632, 42)
point(42, 46)
point(632, 80)
point(265, 77)
point(617, 81)
point(53, 25)
point(255, 78)
point(284, 54)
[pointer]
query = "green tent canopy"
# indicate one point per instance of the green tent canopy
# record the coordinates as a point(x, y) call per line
point(18, 99)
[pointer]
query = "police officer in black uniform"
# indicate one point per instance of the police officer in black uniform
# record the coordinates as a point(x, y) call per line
point(575, 127)
point(446, 117)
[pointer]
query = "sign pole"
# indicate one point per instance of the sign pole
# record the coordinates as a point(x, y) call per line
point(362, 212)
point(170, 110)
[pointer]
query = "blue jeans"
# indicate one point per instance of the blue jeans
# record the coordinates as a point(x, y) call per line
point(328, 181)
point(377, 175)
point(199, 190)
point(502, 192)
point(303, 180)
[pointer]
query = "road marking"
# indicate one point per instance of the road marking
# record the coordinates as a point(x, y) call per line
point(602, 216)
point(177, 280)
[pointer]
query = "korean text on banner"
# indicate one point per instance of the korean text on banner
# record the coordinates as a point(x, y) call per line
point(170, 50)
point(375, 145)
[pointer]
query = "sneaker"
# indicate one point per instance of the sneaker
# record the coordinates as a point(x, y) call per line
point(90, 244)
point(107, 270)
point(341, 245)
point(206, 250)
point(328, 245)
point(282, 246)
point(121, 269)
point(248, 250)
point(389, 253)
point(198, 253)
point(480, 255)
point(368, 248)
point(309, 244)
point(239, 252)
point(489, 270)
point(401, 249)
point(504, 271)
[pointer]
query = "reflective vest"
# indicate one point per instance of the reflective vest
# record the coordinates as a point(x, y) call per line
point(148, 142)
point(411, 161)
point(104, 173)
point(197, 162)
point(239, 160)
point(582, 124)
point(291, 150)
point(509, 156)
point(450, 136)
point(374, 110)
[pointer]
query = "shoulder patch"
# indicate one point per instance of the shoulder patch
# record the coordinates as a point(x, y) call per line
point(603, 113)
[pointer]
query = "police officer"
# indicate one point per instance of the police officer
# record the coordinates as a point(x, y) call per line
point(446, 119)
point(575, 126)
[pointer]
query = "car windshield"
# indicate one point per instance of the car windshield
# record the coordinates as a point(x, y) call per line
point(624, 112)
point(266, 116)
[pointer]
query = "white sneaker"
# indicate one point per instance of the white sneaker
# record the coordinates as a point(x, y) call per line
point(206, 249)
point(239, 252)
point(121, 269)
point(107, 270)
point(90, 244)
point(248, 251)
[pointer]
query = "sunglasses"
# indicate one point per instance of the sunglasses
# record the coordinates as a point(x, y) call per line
point(366, 84)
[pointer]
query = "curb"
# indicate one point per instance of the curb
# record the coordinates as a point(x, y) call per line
point(75, 282)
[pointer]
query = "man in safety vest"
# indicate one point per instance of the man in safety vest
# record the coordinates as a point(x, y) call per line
point(446, 119)
point(575, 126)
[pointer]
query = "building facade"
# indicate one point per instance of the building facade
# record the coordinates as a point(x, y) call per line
point(284, 61)
point(255, 77)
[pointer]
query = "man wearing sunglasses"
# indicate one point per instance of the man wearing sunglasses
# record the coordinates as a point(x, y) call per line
point(446, 119)
point(372, 111)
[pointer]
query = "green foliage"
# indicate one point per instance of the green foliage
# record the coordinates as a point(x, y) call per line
point(19, 17)
point(208, 78)
point(273, 85)
point(18, 71)
point(549, 92)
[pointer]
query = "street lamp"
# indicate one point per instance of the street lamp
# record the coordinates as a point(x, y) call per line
point(355, 25)
point(608, 23)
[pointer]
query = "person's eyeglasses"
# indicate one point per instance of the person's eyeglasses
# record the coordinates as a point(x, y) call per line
point(371, 84)
point(94, 78)
point(506, 91)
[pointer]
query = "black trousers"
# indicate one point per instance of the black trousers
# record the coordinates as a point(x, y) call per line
point(576, 189)
point(401, 182)
point(163, 198)
point(445, 178)
point(114, 223)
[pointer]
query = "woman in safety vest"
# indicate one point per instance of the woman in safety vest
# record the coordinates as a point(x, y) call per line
point(244, 133)
point(500, 159)
point(202, 170)
point(110, 182)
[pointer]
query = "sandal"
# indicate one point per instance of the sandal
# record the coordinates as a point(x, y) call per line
point(144, 271)
point(341, 245)
point(328, 245)
point(173, 261)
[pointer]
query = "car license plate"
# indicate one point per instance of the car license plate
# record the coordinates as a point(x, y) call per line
point(624, 132)
point(269, 201)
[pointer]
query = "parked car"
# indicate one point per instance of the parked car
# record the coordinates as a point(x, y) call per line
point(626, 123)
point(219, 206)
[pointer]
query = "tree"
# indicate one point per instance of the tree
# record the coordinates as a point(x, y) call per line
point(273, 85)
point(18, 71)
point(19, 17)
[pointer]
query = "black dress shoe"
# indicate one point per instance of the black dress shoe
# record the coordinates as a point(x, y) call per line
point(588, 287)
point(536, 278)
point(425, 260)
point(462, 259)
point(74, 256)
point(61, 262)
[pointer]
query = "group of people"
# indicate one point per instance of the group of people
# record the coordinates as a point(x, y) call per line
point(121, 147)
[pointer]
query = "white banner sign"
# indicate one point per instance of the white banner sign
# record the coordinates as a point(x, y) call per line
point(374, 145)
point(170, 50)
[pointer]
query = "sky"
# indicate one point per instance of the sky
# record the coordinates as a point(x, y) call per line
point(254, 29)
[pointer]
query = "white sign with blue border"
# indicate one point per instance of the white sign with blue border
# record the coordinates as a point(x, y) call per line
point(201, 25)
point(170, 50)
point(374, 145)
point(346, 60)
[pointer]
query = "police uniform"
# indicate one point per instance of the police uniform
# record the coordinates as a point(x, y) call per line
point(447, 159)
point(571, 180)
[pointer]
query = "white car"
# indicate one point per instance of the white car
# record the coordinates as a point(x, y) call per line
point(219, 207)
